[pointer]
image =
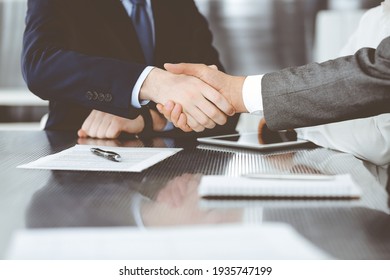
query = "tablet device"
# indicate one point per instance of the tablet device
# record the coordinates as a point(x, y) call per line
point(253, 140)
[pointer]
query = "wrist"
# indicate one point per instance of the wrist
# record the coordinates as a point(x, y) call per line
point(236, 94)
point(149, 89)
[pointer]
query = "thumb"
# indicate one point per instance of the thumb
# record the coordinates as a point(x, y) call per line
point(185, 68)
point(174, 68)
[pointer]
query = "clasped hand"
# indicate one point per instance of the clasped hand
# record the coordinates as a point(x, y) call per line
point(195, 97)
point(200, 99)
point(201, 105)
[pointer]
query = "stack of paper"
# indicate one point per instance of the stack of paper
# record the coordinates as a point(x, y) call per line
point(301, 186)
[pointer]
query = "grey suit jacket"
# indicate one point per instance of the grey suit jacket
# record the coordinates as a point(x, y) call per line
point(345, 88)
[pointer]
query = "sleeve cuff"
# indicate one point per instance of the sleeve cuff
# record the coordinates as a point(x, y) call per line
point(251, 94)
point(135, 102)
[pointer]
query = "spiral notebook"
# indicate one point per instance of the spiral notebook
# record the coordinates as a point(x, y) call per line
point(291, 186)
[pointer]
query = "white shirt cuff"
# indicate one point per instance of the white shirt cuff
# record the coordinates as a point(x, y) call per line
point(251, 94)
point(135, 102)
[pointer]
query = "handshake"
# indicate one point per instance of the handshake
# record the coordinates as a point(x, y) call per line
point(194, 96)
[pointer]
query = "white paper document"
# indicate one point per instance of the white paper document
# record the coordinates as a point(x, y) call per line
point(221, 242)
point(338, 186)
point(81, 158)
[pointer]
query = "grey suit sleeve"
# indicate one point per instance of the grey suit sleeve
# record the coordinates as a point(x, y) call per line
point(345, 88)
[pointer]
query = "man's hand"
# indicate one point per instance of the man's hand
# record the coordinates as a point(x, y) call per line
point(229, 86)
point(203, 105)
point(106, 126)
point(174, 113)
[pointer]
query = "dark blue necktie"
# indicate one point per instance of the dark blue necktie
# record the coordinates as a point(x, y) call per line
point(142, 25)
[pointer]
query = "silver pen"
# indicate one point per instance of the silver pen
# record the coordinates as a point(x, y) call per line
point(106, 154)
point(288, 176)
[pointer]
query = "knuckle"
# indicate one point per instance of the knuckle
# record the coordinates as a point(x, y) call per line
point(199, 128)
point(91, 134)
point(211, 125)
point(215, 114)
point(204, 122)
point(101, 134)
point(208, 123)
point(181, 124)
point(110, 134)
point(222, 120)
point(195, 127)
point(217, 97)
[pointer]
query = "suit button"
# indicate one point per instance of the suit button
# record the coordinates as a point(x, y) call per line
point(89, 95)
point(101, 97)
point(95, 95)
point(108, 97)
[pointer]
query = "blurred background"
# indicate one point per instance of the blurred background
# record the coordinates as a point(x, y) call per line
point(252, 36)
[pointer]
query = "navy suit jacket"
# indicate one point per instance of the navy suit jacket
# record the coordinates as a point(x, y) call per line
point(84, 54)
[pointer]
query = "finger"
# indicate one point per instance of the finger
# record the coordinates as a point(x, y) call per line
point(169, 105)
point(206, 73)
point(166, 110)
point(194, 125)
point(166, 115)
point(213, 67)
point(87, 123)
point(185, 68)
point(200, 116)
point(82, 134)
point(206, 113)
point(182, 123)
point(105, 122)
point(90, 125)
point(210, 77)
point(159, 108)
point(212, 112)
point(218, 100)
point(95, 125)
point(113, 131)
point(176, 112)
